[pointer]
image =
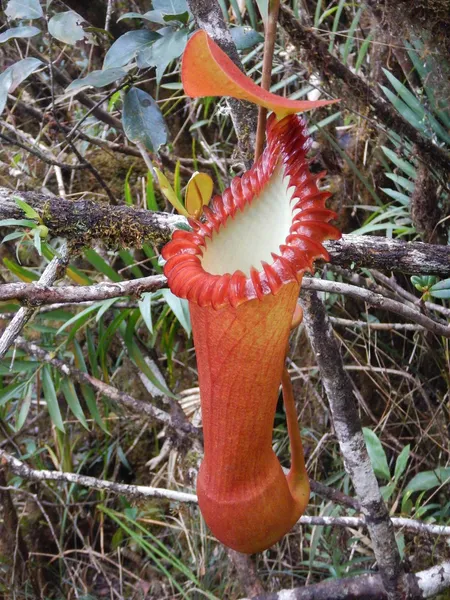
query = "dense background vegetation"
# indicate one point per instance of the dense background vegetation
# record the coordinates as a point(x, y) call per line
point(91, 103)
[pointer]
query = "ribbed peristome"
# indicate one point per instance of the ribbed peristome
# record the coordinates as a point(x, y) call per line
point(278, 184)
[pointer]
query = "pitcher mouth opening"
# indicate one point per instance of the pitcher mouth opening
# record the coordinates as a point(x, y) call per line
point(265, 230)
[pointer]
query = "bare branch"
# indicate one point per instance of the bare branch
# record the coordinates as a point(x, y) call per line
point(44, 157)
point(377, 300)
point(376, 326)
point(348, 430)
point(131, 491)
point(24, 314)
point(35, 295)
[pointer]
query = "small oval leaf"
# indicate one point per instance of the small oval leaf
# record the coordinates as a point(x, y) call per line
point(125, 48)
point(163, 51)
point(143, 121)
point(19, 32)
point(97, 79)
point(66, 27)
point(24, 9)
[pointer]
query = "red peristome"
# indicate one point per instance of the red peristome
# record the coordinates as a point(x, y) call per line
point(287, 144)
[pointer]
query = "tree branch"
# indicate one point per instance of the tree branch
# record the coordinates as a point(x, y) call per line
point(424, 584)
point(24, 314)
point(86, 220)
point(348, 430)
point(131, 491)
point(377, 300)
point(34, 294)
point(318, 55)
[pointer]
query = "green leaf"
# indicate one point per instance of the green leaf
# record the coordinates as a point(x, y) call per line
point(22, 273)
point(145, 306)
point(427, 480)
point(162, 52)
point(180, 308)
point(24, 409)
point(15, 390)
point(79, 316)
point(66, 28)
point(171, 7)
point(406, 112)
point(405, 94)
point(182, 18)
point(50, 396)
point(401, 462)
point(101, 265)
point(19, 32)
point(71, 397)
point(136, 355)
point(377, 454)
point(363, 51)
point(17, 222)
point(245, 38)
point(27, 209)
point(443, 294)
point(106, 305)
point(18, 366)
point(351, 32)
point(6, 81)
point(13, 236)
point(401, 181)
point(402, 164)
point(37, 241)
point(387, 490)
point(20, 71)
point(24, 9)
point(263, 7)
point(396, 195)
point(125, 48)
point(441, 285)
point(130, 262)
point(150, 196)
point(14, 75)
point(88, 393)
point(154, 16)
point(143, 121)
point(130, 15)
point(98, 79)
